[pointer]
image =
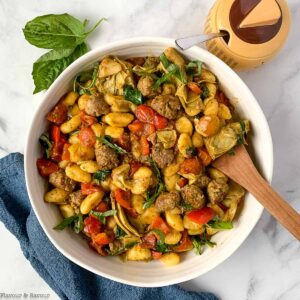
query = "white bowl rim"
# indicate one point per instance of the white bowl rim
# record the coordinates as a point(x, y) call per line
point(82, 61)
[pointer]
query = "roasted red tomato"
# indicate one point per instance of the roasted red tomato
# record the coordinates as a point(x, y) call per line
point(204, 156)
point(145, 146)
point(159, 223)
point(87, 137)
point(191, 165)
point(89, 188)
point(55, 133)
point(145, 113)
point(46, 167)
point(66, 153)
point(87, 120)
point(102, 207)
point(123, 198)
point(201, 216)
point(160, 122)
point(58, 114)
point(103, 238)
point(92, 226)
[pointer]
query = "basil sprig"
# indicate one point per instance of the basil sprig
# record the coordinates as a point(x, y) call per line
point(107, 140)
point(65, 35)
point(218, 224)
point(133, 95)
point(101, 175)
point(101, 216)
point(45, 142)
point(76, 220)
point(199, 242)
point(194, 67)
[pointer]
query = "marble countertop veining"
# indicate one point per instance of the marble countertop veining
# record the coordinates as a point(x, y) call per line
point(267, 265)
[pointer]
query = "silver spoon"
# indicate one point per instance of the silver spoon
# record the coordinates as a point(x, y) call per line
point(189, 41)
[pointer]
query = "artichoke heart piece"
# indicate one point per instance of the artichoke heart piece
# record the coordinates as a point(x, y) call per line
point(167, 137)
point(226, 138)
point(125, 222)
point(182, 94)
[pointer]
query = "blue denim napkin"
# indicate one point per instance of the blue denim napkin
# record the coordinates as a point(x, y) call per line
point(67, 279)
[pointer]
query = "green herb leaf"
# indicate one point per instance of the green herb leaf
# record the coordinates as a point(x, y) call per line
point(56, 31)
point(217, 224)
point(119, 232)
point(78, 224)
point(107, 140)
point(49, 66)
point(186, 206)
point(101, 175)
point(205, 91)
point(194, 67)
point(162, 247)
point(82, 78)
point(45, 142)
point(66, 222)
point(199, 242)
point(241, 139)
point(159, 233)
point(162, 80)
point(133, 95)
point(101, 216)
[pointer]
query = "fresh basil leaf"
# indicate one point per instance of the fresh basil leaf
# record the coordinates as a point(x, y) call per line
point(158, 232)
point(164, 60)
point(162, 247)
point(162, 80)
point(199, 242)
point(66, 222)
point(56, 31)
point(46, 71)
point(45, 142)
point(82, 78)
point(78, 224)
point(119, 232)
point(216, 224)
point(107, 140)
point(194, 67)
point(133, 95)
point(101, 175)
point(101, 216)
point(205, 91)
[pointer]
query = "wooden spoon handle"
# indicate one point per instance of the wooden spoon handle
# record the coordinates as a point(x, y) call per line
point(276, 205)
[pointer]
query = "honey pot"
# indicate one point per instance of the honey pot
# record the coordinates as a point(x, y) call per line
point(256, 30)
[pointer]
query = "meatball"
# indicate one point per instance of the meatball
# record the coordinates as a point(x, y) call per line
point(106, 157)
point(217, 190)
point(60, 180)
point(161, 156)
point(167, 105)
point(145, 86)
point(203, 181)
point(193, 195)
point(75, 200)
point(167, 201)
point(96, 106)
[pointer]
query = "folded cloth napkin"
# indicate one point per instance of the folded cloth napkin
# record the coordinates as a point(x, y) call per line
point(67, 279)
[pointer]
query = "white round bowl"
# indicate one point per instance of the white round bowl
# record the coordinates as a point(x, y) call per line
point(151, 274)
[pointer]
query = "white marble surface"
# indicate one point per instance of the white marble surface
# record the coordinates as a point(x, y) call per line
point(267, 265)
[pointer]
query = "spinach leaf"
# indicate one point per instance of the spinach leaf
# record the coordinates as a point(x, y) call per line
point(194, 67)
point(78, 224)
point(48, 67)
point(66, 222)
point(83, 77)
point(107, 140)
point(199, 242)
point(56, 31)
point(162, 247)
point(133, 95)
point(217, 224)
point(101, 175)
point(101, 216)
point(45, 142)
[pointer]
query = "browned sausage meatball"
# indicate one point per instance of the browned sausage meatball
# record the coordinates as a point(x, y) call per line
point(217, 190)
point(60, 180)
point(203, 181)
point(145, 86)
point(167, 201)
point(161, 156)
point(193, 195)
point(106, 157)
point(96, 106)
point(75, 200)
point(167, 105)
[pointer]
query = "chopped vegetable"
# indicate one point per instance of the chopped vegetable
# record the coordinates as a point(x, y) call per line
point(101, 216)
point(89, 188)
point(133, 95)
point(47, 145)
point(46, 167)
point(107, 140)
point(201, 216)
point(101, 175)
point(194, 67)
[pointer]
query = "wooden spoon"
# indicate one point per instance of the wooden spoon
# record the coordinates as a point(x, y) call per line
point(240, 168)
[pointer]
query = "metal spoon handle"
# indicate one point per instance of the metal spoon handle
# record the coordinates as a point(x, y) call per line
point(187, 42)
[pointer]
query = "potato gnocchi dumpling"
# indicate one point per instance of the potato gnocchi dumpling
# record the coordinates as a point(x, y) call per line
point(128, 157)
